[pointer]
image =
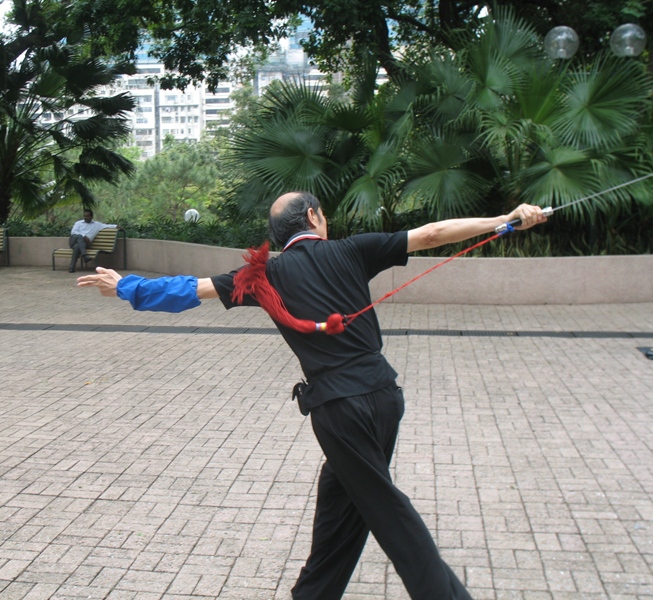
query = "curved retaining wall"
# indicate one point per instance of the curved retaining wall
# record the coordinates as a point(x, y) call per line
point(567, 280)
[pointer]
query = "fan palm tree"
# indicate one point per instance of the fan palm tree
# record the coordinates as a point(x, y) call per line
point(43, 163)
point(477, 129)
point(535, 130)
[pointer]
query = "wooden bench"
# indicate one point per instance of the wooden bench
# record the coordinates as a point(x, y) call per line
point(105, 241)
point(4, 244)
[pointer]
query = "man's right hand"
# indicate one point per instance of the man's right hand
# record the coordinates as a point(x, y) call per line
point(530, 215)
point(106, 281)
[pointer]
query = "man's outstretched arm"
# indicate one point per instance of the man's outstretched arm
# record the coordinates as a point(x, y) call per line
point(170, 294)
point(450, 231)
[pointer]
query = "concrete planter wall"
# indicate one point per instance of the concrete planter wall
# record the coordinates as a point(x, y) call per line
point(568, 280)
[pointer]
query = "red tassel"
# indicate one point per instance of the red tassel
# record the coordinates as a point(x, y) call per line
point(335, 324)
point(253, 281)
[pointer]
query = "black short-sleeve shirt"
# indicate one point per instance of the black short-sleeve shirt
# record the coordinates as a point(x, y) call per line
point(316, 278)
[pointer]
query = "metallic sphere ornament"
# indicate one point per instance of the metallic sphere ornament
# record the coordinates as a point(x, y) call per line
point(192, 215)
point(561, 42)
point(628, 40)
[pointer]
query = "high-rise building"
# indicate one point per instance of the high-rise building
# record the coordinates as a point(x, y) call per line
point(186, 115)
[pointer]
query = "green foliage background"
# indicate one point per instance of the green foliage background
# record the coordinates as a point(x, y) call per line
point(152, 203)
point(473, 122)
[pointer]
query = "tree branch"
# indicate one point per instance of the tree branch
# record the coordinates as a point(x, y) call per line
point(409, 20)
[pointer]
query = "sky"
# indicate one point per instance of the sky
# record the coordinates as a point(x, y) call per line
point(5, 5)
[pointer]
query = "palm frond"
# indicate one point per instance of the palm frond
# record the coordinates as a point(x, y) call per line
point(562, 175)
point(99, 128)
point(349, 118)
point(93, 172)
point(60, 166)
point(113, 162)
point(616, 169)
point(285, 153)
point(440, 179)
point(374, 191)
point(113, 106)
point(48, 85)
point(364, 81)
point(84, 76)
point(292, 98)
point(29, 192)
point(538, 97)
point(363, 201)
point(75, 186)
point(603, 104)
point(513, 37)
point(447, 92)
point(494, 79)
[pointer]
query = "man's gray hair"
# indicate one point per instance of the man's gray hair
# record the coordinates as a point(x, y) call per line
point(293, 218)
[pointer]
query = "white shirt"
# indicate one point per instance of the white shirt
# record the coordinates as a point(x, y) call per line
point(88, 230)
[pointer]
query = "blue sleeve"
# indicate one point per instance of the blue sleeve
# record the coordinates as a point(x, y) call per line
point(164, 294)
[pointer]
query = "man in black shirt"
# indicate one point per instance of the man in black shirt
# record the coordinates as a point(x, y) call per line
point(354, 402)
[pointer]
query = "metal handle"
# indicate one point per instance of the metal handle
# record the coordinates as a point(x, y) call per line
point(547, 212)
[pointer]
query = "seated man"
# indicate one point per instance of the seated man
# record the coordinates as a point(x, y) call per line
point(83, 233)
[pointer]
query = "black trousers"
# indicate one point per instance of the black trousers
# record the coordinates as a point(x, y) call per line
point(356, 495)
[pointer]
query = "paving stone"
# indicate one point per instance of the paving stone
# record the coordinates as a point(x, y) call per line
point(143, 465)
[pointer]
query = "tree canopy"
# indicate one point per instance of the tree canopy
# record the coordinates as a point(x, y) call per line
point(476, 131)
point(197, 38)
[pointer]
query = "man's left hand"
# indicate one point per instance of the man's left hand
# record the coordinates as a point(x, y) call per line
point(106, 280)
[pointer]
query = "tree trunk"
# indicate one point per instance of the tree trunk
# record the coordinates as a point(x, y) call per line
point(383, 51)
point(5, 206)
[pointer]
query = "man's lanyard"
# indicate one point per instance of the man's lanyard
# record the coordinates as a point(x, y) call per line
point(301, 236)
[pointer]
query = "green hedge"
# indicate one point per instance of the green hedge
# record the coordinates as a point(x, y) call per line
point(212, 233)
point(632, 234)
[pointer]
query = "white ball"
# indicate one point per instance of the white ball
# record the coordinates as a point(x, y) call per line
point(192, 215)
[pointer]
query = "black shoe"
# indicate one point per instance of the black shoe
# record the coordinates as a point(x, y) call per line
point(71, 270)
point(87, 259)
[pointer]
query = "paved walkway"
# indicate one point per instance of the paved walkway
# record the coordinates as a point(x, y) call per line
point(147, 456)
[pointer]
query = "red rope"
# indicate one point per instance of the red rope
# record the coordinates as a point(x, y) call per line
point(349, 318)
point(253, 280)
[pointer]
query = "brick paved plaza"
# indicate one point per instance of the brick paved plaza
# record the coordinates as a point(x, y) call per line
point(147, 456)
